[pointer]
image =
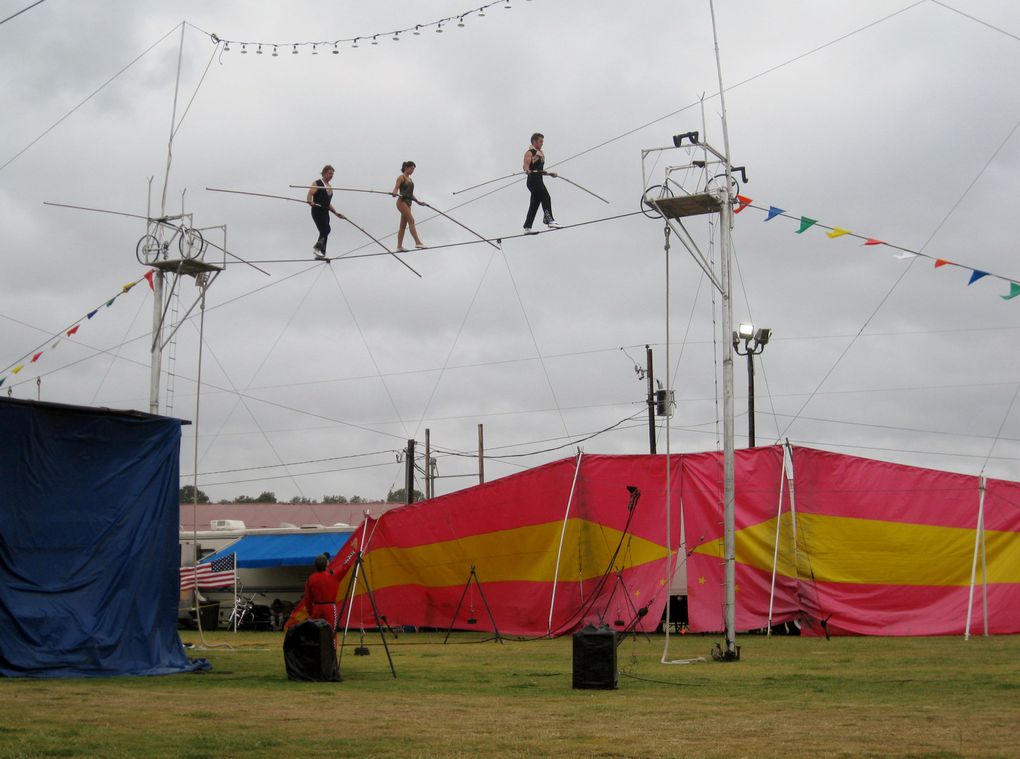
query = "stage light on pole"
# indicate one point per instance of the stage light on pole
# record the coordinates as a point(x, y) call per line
point(754, 342)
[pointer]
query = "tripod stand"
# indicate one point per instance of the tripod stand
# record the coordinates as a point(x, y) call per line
point(359, 567)
point(473, 577)
point(638, 613)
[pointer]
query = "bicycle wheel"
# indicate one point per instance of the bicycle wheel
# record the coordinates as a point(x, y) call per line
point(147, 250)
point(655, 192)
point(191, 243)
point(719, 181)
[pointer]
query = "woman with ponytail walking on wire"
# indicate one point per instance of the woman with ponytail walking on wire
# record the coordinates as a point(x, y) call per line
point(403, 191)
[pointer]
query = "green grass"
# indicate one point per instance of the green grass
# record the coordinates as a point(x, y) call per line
point(787, 697)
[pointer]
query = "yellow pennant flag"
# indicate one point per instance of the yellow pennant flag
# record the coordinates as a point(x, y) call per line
point(837, 232)
point(17, 369)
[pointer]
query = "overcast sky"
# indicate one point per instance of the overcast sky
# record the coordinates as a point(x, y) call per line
point(892, 120)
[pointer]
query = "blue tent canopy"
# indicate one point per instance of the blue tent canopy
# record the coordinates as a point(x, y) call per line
point(294, 550)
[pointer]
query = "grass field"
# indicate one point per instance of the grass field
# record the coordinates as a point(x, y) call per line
point(787, 697)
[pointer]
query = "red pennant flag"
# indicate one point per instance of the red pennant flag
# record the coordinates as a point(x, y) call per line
point(148, 278)
point(941, 262)
point(35, 357)
point(742, 203)
point(73, 330)
point(873, 241)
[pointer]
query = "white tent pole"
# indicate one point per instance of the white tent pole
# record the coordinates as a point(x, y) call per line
point(563, 532)
point(984, 559)
point(973, 565)
point(790, 483)
point(775, 550)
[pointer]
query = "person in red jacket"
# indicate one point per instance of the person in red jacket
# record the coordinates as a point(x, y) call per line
point(321, 592)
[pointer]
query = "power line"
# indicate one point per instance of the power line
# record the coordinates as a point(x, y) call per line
point(95, 92)
point(27, 8)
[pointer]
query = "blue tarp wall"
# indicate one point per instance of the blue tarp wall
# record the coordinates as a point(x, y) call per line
point(89, 547)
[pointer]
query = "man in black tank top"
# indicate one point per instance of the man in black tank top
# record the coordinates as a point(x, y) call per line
point(534, 167)
point(320, 198)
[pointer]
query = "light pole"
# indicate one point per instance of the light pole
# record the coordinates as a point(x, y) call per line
point(754, 342)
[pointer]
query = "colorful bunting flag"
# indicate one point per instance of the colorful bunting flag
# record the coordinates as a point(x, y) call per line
point(774, 212)
point(742, 203)
point(976, 275)
point(837, 232)
point(806, 224)
point(73, 330)
point(941, 262)
point(873, 241)
point(1014, 290)
point(2, 381)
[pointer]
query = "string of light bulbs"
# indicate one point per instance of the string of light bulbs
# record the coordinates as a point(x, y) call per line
point(438, 26)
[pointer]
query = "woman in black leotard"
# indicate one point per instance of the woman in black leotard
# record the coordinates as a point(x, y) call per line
point(403, 191)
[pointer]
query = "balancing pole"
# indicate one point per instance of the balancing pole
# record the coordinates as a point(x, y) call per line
point(365, 232)
point(464, 226)
point(305, 202)
point(341, 189)
point(560, 176)
point(488, 181)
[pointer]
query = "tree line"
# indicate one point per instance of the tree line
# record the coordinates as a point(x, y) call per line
point(188, 495)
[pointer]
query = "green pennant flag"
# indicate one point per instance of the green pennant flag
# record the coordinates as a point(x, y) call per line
point(110, 301)
point(1014, 290)
point(806, 223)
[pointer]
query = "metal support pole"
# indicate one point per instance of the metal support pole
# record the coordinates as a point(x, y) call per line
point(155, 361)
point(481, 456)
point(729, 496)
point(651, 400)
point(750, 399)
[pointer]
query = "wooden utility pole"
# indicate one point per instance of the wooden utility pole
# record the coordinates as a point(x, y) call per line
point(651, 399)
point(428, 466)
point(409, 473)
point(481, 456)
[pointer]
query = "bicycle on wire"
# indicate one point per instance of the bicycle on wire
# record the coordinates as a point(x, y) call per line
point(155, 246)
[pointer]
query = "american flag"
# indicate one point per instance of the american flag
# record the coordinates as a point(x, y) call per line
point(218, 573)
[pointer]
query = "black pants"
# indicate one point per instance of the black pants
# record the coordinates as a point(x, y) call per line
point(539, 197)
point(321, 219)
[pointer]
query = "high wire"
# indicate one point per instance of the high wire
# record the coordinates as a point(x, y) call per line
point(488, 240)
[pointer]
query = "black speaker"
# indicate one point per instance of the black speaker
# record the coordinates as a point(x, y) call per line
point(308, 652)
point(595, 658)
